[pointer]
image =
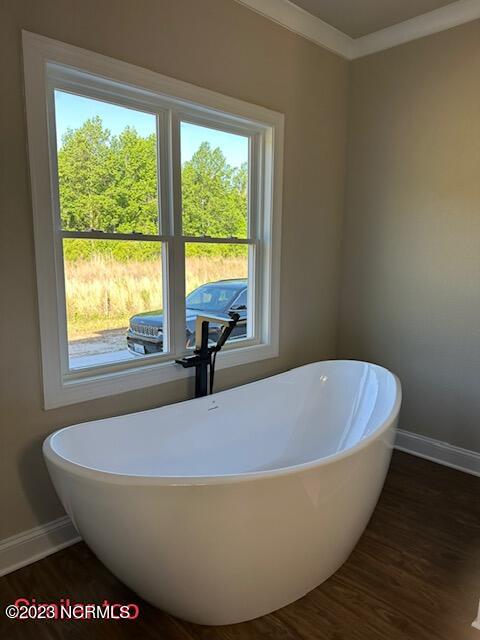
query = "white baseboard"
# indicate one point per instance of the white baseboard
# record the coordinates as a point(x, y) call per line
point(440, 452)
point(35, 544)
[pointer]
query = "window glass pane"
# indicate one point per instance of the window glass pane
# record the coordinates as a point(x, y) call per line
point(114, 300)
point(241, 301)
point(214, 182)
point(216, 274)
point(107, 166)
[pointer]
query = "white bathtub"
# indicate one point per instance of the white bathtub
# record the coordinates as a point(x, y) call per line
point(225, 508)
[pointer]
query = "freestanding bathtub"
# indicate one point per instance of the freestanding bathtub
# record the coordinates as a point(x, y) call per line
point(225, 508)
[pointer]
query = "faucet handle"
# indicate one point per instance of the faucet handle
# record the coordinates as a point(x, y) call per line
point(187, 361)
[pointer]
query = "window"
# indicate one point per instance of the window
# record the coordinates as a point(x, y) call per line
point(241, 302)
point(107, 168)
point(153, 201)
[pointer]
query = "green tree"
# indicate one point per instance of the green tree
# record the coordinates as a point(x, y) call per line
point(107, 182)
point(134, 167)
point(84, 162)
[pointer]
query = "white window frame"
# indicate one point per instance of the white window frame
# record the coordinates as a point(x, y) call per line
point(50, 64)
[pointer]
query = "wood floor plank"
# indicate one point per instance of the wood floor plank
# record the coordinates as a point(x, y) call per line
point(415, 575)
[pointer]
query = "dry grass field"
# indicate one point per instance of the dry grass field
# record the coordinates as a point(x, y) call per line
point(102, 293)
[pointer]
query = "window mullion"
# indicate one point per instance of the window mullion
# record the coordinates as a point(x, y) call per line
point(164, 226)
point(177, 263)
point(163, 173)
point(256, 289)
point(254, 186)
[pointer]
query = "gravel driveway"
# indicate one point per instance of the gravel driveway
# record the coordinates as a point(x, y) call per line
point(100, 342)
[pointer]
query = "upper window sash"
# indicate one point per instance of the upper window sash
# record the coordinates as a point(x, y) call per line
point(255, 141)
point(162, 116)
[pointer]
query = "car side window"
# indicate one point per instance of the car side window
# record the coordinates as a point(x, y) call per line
point(241, 301)
point(212, 298)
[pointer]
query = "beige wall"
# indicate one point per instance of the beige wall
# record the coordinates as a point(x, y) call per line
point(217, 44)
point(411, 280)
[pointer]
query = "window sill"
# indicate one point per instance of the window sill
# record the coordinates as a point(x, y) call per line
point(89, 387)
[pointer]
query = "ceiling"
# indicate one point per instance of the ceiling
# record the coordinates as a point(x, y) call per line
point(358, 18)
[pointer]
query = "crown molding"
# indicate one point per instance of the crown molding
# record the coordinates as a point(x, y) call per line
point(309, 26)
point(304, 24)
point(427, 24)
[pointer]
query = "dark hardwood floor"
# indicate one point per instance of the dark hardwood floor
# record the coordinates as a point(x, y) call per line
point(415, 575)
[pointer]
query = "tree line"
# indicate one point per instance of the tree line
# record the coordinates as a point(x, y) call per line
point(109, 182)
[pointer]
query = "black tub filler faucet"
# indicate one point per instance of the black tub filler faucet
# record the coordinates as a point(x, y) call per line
point(204, 356)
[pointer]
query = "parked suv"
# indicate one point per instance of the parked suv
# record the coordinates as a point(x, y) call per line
point(145, 333)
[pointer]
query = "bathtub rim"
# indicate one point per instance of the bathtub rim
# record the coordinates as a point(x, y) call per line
point(112, 477)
